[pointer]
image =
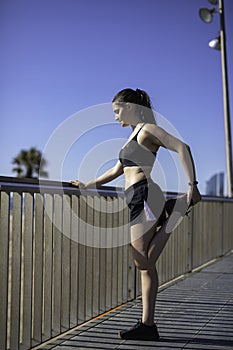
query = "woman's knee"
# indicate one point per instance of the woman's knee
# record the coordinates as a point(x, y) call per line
point(140, 261)
point(140, 266)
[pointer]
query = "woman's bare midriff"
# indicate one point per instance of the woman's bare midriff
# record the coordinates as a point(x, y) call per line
point(135, 174)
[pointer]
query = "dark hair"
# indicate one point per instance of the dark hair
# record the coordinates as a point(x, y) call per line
point(139, 97)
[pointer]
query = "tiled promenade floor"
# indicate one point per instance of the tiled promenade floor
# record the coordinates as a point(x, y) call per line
point(194, 313)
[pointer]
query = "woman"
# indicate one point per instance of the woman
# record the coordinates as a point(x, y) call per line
point(149, 226)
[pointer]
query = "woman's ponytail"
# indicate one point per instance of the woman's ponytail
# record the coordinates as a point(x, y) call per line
point(146, 102)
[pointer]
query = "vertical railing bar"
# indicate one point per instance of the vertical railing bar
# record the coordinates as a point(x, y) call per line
point(66, 234)
point(48, 266)
point(27, 270)
point(119, 208)
point(172, 254)
point(38, 268)
point(16, 271)
point(126, 254)
point(181, 247)
point(4, 265)
point(187, 260)
point(109, 253)
point(96, 257)
point(221, 228)
point(131, 274)
point(224, 225)
point(74, 261)
point(57, 258)
point(89, 258)
point(102, 255)
point(169, 256)
point(82, 259)
point(191, 233)
point(115, 249)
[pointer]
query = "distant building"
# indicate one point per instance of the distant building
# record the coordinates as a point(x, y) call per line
point(215, 185)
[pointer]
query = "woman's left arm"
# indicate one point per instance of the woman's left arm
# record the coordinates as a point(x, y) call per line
point(164, 139)
point(189, 167)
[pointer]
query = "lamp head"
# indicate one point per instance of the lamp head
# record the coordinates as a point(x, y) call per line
point(213, 2)
point(206, 15)
point(215, 44)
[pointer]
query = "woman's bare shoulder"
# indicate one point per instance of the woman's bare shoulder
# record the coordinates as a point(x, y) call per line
point(151, 128)
point(150, 133)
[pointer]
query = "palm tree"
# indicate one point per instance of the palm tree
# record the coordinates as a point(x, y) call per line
point(29, 163)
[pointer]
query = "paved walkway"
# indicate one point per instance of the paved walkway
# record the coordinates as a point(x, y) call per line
point(194, 313)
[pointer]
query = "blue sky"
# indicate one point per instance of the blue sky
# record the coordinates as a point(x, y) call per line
point(59, 57)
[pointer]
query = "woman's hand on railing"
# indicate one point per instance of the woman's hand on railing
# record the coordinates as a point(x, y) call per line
point(77, 183)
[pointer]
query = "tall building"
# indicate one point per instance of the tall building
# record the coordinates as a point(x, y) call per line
point(215, 185)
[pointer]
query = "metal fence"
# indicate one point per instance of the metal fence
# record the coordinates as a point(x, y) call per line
point(65, 256)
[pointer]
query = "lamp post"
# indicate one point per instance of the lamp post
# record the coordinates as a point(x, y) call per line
point(220, 44)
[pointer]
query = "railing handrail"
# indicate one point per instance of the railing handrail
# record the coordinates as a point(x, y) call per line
point(8, 183)
point(38, 185)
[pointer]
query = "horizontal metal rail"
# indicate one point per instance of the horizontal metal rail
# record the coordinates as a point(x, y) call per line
point(35, 185)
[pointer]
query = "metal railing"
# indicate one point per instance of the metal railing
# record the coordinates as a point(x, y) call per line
point(65, 255)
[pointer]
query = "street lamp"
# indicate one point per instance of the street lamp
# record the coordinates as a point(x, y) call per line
point(207, 14)
point(219, 43)
point(215, 44)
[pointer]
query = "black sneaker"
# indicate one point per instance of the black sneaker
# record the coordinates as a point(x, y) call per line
point(140, 332)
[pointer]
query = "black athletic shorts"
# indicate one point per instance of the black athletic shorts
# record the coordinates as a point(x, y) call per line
point(145, 199)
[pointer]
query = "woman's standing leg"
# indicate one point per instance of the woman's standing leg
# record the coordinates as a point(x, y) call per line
point(146, 251)
point(143, 235)
point(149, 279)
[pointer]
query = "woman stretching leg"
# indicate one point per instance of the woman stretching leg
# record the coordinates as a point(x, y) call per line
point(144, 198)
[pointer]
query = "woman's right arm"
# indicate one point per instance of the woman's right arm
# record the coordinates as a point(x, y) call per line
point(108, 176)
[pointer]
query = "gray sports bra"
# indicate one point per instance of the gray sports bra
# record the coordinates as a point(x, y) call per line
point(133, 154)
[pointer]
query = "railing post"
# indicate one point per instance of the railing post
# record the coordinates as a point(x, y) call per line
point(190, 240)
point(16, 261)
point(27, 270)
point(4, 265)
